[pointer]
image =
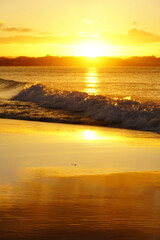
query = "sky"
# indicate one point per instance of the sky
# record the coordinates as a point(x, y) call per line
point(79, 28)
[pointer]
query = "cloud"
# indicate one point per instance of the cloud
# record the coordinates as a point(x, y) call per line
point(87, 21)
point(143, 36)
point(45, 33)
point(44, 39)
point(14, 29)
point(38, 40)
point(134, 37)
point(1, 23)
point(26, 40)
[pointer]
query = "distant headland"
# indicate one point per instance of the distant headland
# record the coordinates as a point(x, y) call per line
point(79, 61)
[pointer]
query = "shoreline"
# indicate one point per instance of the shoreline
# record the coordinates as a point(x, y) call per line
point(75, 149)
point(88, 122)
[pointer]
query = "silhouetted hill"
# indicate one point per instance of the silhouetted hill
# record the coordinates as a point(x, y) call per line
point(79, 61)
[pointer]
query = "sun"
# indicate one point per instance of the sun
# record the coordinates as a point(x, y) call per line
point(92, 50)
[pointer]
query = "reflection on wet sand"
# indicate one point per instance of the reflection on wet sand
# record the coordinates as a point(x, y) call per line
point(115, 206)
point(56, 182)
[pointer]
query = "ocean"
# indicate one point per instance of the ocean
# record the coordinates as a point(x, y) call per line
point(123, 97)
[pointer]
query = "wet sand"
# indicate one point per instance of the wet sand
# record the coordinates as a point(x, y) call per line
point(78, 182)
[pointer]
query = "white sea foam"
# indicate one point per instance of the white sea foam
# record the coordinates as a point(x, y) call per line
point(9, 88)
point(111, 112)
point(4, 84)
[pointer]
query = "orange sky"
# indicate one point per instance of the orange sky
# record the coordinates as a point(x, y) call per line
point(73, 27)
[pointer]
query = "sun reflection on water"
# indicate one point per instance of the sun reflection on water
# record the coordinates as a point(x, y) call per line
point(91, 80)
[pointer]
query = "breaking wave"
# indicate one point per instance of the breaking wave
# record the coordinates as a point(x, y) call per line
point(123, 113)
point(8, 88)
point(6, 84)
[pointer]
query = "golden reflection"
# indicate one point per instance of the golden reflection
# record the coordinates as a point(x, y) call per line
point(90, 135)
point(91, 81)
point(97, 135)
point(55, 132)
point(109, 206)
point(28, 173)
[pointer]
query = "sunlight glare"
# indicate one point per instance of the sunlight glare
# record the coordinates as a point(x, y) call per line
point(89, 135)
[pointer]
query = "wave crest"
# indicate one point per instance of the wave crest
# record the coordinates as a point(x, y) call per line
point(111, 112)
point(6, 84)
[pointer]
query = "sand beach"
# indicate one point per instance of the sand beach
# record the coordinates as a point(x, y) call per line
point(60, 181)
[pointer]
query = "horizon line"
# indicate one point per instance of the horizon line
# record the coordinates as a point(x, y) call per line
point(61, 56)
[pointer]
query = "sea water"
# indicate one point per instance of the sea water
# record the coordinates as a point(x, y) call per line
point(125, 97)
